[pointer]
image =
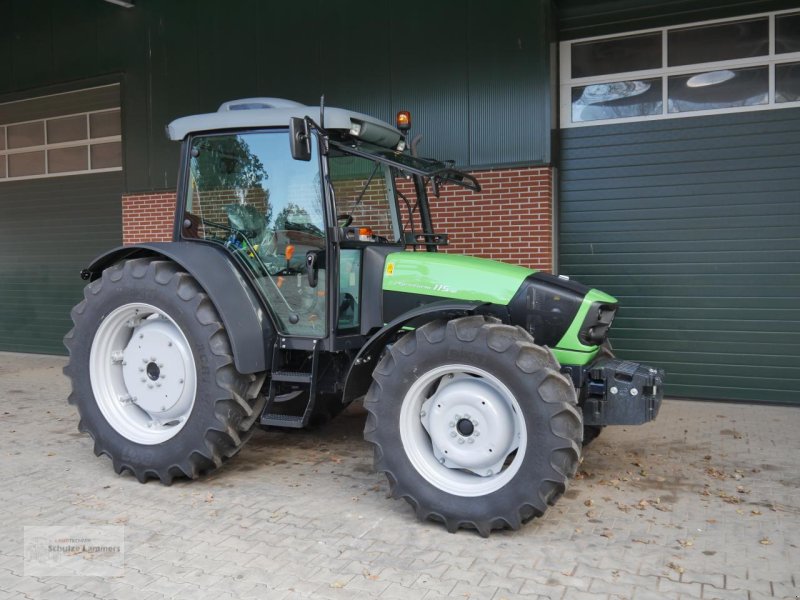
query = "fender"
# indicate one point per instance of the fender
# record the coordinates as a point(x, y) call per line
point(359, 376)
point(246, 321)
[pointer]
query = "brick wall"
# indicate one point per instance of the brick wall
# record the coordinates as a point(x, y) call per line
point(510, 220)
point(148, 217)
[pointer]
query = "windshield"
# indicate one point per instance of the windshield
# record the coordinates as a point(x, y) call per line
point(365, 196)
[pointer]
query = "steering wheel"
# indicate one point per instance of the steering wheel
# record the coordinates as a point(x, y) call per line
point(348, 219)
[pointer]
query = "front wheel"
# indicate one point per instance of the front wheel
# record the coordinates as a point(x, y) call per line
point(153, 375)
point(472, 424)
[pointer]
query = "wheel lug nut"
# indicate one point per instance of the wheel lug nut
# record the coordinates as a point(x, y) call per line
point(471, 441)
point(451, 424)
point(169, 344)
point(452, 434)
point(141, 369)
point(489, 473)
point(422, 413)
point(460, 440)
point(143, 380)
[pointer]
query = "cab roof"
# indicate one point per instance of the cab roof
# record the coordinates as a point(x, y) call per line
point(257, 113)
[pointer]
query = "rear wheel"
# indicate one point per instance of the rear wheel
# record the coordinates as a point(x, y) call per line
point(472, 424)
point(152, 373)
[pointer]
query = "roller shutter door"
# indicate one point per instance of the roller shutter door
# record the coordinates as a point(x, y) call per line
point(694, 224)
point(51, 228)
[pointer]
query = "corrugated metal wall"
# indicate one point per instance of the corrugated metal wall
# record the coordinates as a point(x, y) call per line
point(51, 228)
point(694, 224)
point(475, 74)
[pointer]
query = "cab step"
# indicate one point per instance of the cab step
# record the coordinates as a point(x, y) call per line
point(294, 421)
point(291, 376)
point(292, 394)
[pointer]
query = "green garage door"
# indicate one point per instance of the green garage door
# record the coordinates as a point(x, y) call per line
point(694, 224)
point(50, 229)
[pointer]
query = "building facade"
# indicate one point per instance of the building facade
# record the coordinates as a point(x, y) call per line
point(649, 148)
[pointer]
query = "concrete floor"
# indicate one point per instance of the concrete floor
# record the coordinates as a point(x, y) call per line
point(702, 503)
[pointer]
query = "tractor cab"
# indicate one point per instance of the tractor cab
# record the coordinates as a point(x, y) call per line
point(304, 208)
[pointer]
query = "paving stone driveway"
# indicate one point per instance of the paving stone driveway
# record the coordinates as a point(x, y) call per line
point(703, 503)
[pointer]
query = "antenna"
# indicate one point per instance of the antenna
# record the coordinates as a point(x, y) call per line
point(322, 111)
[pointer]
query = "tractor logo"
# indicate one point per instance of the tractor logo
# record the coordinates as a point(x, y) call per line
point(390, 269)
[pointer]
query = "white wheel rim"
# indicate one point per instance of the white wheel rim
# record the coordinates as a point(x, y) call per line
point(463, 430)
point(142, 373)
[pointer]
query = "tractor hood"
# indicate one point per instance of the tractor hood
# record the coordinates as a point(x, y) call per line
point(570, 318)
point(452, 276)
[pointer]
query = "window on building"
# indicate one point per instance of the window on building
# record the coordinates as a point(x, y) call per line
point(64, 145)
point(750, 63)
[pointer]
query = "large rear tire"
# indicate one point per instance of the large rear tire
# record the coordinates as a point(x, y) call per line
point(473, 424)
point(153, 376)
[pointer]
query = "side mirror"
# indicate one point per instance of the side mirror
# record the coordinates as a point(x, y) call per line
point(299, 139)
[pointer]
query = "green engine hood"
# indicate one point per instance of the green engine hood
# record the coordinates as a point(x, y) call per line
point(452, 276)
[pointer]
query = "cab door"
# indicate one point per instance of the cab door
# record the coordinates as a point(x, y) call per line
point(247, 192)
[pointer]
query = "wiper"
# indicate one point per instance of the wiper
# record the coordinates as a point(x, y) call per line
point(366, 186)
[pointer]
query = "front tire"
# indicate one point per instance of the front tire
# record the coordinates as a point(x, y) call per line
point(473, 424)
point(152, 373)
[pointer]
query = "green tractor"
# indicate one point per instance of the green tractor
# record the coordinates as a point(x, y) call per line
point(304, 275)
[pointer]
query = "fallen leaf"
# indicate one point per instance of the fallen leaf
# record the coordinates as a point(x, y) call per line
point(623, 507)
point(638, 541)
point(607, 533)
point(688, 543)
point(209, 497)
point(675, 567)
point(755, 511)
point(337, 585)
point(765, 541)
point(370, 576)
point(591, 514)
point(588, 502)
